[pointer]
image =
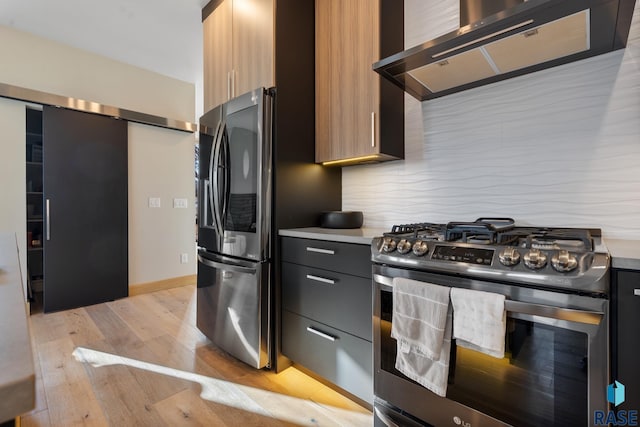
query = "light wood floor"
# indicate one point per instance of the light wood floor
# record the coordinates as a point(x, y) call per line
point(140, 361)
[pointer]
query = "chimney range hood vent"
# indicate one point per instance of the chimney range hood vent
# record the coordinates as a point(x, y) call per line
point(501, 39)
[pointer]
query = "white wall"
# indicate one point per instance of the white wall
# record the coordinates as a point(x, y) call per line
point(161, 161)
point(37, 63)
point(161, 164)
point(560, 147)
point(13, 199)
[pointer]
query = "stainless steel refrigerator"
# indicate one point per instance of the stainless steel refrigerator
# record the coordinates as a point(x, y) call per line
point(234, 226)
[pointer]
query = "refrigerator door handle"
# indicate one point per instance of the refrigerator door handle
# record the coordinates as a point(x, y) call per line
point(226, 165)
point(214, 165)
point(226, 267)
point(205, 199)
point(209, 183)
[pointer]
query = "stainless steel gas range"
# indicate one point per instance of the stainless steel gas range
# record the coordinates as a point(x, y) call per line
point(556, 287)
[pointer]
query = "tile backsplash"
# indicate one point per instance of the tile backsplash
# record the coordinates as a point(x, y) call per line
point(560, 147)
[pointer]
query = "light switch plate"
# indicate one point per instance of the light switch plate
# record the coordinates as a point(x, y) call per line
point(154, 202)
point(180, 203)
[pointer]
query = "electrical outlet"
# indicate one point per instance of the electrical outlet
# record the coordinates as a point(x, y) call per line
point(184, 258)
point(180, 203)
point(154, 202)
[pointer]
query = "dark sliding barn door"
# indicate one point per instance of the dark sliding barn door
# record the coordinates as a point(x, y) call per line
point(85, 196)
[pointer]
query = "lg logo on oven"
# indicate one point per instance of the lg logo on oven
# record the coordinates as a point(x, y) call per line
point(461, 422)
point(615, 396)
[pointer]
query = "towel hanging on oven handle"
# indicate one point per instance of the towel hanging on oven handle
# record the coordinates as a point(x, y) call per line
point(527, 308)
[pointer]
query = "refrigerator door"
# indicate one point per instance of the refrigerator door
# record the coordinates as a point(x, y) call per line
point(209, 228)
point(236, 177)
point(232, 306)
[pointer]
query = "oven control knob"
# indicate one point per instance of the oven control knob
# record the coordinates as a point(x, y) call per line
point(404, 246)
point(535, 259)
point(388, 245)
point(420, 248)
point(563, 261)
point(509, 257)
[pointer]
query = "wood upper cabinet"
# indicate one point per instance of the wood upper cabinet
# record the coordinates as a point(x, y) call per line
point(238, 48)
point(216, 31)
point(358, 114)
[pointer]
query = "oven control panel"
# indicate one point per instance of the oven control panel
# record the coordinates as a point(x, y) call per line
point(463, 254)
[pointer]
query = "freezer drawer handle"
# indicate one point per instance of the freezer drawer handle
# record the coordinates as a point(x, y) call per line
point(321, 334)
point(226, 267)
point(321, 279)
point(636, 292)
point(320, 251)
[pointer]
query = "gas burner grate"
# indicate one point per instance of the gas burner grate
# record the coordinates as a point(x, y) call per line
point(548, 238)
point(543, 237)
point(417, 229)
point(482, 231)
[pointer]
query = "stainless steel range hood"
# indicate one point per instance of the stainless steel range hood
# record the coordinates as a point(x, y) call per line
point(501, 39)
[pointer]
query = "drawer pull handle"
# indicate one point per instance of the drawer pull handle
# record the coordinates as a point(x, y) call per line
point(321, 334)
point(321, 279)
point(636, 292)
point(320, 251)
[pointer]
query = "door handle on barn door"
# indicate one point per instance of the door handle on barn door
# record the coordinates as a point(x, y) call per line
point(48, 220)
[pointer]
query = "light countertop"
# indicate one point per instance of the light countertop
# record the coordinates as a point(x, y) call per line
point(17, 375)
point(624, 253)
point(361, 236)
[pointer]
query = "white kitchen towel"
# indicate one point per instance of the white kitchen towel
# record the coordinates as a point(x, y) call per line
point(421, 324)
point(479, 320)
point(419, 315)
point(431, 374)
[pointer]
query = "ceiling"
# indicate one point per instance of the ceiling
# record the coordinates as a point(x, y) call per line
point(164, 36)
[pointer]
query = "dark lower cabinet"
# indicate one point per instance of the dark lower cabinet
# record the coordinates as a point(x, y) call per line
point(85, 208)
point(329, 297)
point(326, 311)
point(626, 339)
point(337, 356)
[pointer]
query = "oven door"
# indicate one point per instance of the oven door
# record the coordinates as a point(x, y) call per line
point(554, 373)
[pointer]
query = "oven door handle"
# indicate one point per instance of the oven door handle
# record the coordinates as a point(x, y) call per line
point(568, 314)
point(525, 308)
point(384, 418)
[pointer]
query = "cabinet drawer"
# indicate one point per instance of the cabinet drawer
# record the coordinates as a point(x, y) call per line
point(335, 299)
point(339, 357)
point(337, 256)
